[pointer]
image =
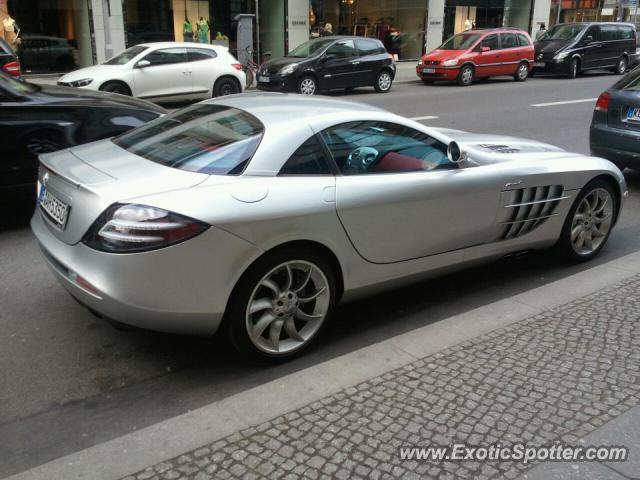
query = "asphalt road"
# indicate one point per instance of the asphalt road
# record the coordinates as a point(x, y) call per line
point(69, 380)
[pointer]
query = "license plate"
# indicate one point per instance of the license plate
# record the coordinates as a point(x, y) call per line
point(540, 64)
point(429, 70)
point(262, 78)
point(54, 208)
point(633, 114)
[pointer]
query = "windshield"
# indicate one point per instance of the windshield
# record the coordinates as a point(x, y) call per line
point(126, 56)
point(15, 86)
point(211, 139)
point(461, 41)
point(309, 49)
point(562, 32)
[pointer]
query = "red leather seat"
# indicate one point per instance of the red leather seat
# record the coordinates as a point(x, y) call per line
point(396, 162)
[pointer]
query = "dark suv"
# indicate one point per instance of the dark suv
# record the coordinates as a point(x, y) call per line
point(570, 48)
point(330, 63)
point(9, 62)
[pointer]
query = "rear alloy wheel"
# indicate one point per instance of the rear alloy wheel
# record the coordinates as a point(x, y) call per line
point(281, 304)
point(589, 222)
point(307, 86)
point(522, 73)
point(574, 68)
point(225, 86)
point(465, 77)
point(383, 82)
point(621, 66)
point(116, 87)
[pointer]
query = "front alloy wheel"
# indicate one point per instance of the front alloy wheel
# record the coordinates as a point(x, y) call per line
point(307, 86)
point(465, 77)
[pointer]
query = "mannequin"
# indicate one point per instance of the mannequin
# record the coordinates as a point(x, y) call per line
point(203, 30)
point(187, 30)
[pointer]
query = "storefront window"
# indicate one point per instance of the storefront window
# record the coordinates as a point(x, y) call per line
point(399, 24)
point(462, 15)
point(48, 36)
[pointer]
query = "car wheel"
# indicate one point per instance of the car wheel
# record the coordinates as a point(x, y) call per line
point(307, 85)
point(383, 82)
point(465, 77)
point(621, 66)
point(116, 87)
point(522, 73)
point(589, 222)
point(225, 86)
point(574, 68)
point(281, 304)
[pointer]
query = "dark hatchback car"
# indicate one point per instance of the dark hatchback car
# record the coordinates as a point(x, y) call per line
point(9, 62)
point(615, 125)
point(330, 63)
point(571, 48)
point(38, 119)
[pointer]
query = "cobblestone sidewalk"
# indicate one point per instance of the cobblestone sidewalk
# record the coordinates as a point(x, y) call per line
point(554, 377)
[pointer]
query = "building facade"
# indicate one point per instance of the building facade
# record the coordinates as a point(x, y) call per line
point(60, 35)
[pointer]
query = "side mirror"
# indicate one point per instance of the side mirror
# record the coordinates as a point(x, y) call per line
point(455, 153)
point(143, 64)
point(485, 49)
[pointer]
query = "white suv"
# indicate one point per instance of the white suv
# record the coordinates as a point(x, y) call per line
point(164, 71)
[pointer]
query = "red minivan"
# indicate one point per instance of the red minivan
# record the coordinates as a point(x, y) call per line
point(479, 54)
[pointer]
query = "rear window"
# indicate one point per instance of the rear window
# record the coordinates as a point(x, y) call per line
point(211, 139)
point(630, 82)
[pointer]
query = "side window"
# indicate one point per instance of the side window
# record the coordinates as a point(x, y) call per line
point(509, 40)
point(367, 47)
point(523, 40)
point(608, 33)
point(382, 147)
point(342, 49)
point(593, 32)
point(308, 159)
point(626, 33)
point(491, 41)
point(196, 54)
point(167, 56)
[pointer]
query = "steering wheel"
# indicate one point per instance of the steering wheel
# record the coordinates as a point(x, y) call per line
point(361, 159)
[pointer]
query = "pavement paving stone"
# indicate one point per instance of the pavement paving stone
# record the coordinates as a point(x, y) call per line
point(555, 377)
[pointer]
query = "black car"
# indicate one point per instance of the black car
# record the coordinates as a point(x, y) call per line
point(38, 119)
point(330, 63)
point(615, 125)
point(571, 48)
point(9, 62)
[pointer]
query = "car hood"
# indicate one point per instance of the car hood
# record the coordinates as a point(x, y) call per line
point(274, 65)
point(56, 94)
point(90, 72)
point(441, 55)
point(551, 46)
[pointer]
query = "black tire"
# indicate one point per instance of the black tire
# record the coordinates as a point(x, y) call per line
point(465, 76)
point(522, 72)
point(235, 320)
point(225, 86)
point(116, 87)
point(383, 83)
point(308, 85)
point(574, 68)
point(564, 247)
point(621, 66)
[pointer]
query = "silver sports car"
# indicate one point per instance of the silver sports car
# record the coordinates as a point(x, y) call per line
point(258, 213)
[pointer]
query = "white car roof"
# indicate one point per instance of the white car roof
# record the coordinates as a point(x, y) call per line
point(179, 44)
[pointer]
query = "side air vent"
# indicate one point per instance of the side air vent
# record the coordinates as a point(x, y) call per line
point(499, 148)
point(528, 208)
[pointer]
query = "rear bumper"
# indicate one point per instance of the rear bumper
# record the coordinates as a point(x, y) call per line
point(618, 145)
point(179, 289)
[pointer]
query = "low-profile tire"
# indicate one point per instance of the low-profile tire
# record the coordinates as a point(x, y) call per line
point(225, 86)
point(588, 223)
point(574, 68)
point(307, 85)
point(383, 83)
point(522, 72)
point(621, 66)
point(116, 87)
point(465, 76)
point(281, 304)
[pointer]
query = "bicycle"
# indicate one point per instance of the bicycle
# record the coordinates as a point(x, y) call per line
point(251, 68)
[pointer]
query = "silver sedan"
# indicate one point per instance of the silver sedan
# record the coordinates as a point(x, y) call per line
point(257, 214)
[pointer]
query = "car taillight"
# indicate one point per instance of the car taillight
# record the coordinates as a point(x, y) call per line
point(12, 68)
point(602, 105)
point(129, 228)
point(237, 66)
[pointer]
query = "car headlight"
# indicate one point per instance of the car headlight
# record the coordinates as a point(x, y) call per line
point(81, 83)
point(560, 56)
point(450, 63)
point(289, 69)
point(127, 228)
